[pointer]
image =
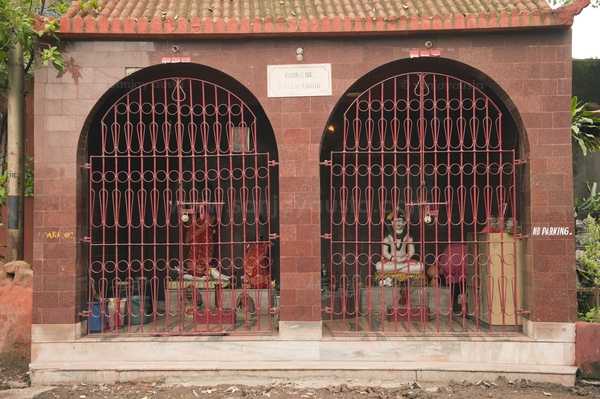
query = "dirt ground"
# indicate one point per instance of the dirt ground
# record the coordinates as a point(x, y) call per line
point(13, 376)
point(500, 389)
point(13, 370)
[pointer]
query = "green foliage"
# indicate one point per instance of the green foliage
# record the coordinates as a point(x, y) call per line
point(585, 127)
point(591, 316)
point(28, 178)
point(590, 205)
point(51, 55)
point(20, 22)
point(588, 263)
point(59, 7)
point(27, 182)
point(89, 6)
point(3, 188)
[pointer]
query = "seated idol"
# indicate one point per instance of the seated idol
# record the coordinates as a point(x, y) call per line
point(398, 248)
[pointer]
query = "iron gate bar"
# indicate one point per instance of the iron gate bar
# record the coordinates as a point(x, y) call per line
point(168, 151)
point(429, 145)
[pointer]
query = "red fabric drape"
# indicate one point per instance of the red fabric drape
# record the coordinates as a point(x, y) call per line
point(257, 272)
point(199, 241)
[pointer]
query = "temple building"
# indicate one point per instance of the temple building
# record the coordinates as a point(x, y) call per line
point(367, 189)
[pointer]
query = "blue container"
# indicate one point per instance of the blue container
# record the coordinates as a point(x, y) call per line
point(95, 320)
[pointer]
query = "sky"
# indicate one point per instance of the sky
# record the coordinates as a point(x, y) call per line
point(586, 34)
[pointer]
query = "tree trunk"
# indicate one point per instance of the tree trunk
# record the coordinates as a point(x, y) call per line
point(15, 153)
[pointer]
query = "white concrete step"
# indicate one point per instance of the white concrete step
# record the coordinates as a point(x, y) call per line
point(301, 373)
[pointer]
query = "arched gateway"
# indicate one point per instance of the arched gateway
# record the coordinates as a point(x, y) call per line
point(181, 217)
point(420, 207)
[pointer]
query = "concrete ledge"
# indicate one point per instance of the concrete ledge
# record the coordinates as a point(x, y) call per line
point(149, 351)
point(298, 354)
point(549, 332)
point(311, 374)
point(301, 330)
point(55, 332)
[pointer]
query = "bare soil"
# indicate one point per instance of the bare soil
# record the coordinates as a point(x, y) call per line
point(499, 389)
point(14, 370)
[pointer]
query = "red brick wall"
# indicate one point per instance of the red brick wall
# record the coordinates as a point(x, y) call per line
point(533, 67)
point(587, 350)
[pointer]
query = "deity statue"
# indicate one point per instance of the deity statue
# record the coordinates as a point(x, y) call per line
point(199, 241)
point(398, 248)
point(257, 273)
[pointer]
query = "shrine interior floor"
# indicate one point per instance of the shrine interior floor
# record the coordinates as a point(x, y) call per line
point(442, 326)
point(362, 326)
point(262, 325)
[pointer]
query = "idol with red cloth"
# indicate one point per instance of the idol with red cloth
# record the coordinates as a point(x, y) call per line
point(257, 271)
point(199, 241)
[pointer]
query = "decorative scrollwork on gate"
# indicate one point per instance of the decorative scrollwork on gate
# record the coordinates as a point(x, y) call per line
point(422, 213)
point(180, 214)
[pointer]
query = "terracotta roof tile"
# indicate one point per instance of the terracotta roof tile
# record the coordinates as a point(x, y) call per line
point(289, 17)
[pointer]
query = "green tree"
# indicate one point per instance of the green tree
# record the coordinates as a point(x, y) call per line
point(27, 34)
point(33, 26)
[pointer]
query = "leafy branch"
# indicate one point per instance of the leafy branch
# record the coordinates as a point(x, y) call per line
point(590, 205)
point(588, 262)
point(585, 126)
point(34, 27)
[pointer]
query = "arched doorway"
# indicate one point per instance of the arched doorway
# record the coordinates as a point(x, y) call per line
point(421, 205)
point(181, 210)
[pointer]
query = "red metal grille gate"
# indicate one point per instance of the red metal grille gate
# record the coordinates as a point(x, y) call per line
point(180, 225)
point(427, 148)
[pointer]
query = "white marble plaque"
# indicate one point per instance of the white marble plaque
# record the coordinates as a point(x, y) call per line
point(299, 80)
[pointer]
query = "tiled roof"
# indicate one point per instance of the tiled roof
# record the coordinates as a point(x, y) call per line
point(289, 17)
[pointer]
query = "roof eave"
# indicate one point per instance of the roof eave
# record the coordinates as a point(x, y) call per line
point(103, 27)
